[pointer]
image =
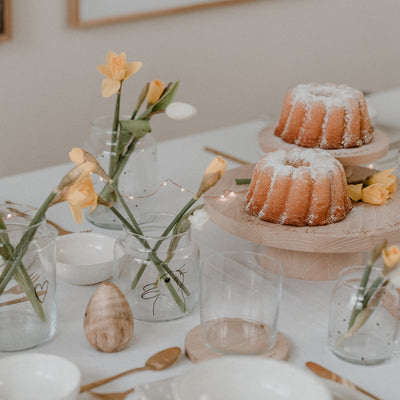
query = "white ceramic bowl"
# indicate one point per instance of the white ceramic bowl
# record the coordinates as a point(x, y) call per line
point(38, 377)
point(84, 258)
point(255, 378)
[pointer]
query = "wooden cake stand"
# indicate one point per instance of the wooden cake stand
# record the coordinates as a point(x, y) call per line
point(365, 154)
point(312, 253)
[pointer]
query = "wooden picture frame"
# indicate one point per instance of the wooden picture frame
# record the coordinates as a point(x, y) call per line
point(5, 20)
point(88, 13)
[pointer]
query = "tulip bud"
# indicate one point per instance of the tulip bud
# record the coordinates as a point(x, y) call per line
point(391, 257)
point(354, 191)
point(388, 181)
point(212, 175)
point(155, 91)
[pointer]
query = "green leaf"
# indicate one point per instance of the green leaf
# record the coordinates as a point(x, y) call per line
point(162, 103)
point(138, 128)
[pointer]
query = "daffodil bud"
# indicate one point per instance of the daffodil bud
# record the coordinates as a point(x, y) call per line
point(354, 191)
point(212, 175)
point(375, 194)
point(79, 156)
point(155, 91)
point(385, 178)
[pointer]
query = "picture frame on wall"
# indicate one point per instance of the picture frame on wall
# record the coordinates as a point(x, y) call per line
point(5, 20)
point(87, 13)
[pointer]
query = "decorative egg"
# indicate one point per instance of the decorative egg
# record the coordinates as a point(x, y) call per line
point(108, 322)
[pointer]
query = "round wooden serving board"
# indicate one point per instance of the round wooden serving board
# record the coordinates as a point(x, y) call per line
point(196, 350)
point(309, 252)
point(368, 153)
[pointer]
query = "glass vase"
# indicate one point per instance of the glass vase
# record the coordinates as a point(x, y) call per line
point(374, 342)
point(160, 284)
point(27, 311)
point(135, 174)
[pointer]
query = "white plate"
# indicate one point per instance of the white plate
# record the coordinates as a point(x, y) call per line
point(38, 377)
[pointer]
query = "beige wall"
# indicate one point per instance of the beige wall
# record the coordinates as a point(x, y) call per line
point(235, 64)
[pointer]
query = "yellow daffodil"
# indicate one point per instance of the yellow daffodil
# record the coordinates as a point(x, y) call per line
point(79, 156)
point(391, 257)
point(385, 178)
point(354, 191)
point(116, 70)
point(212, 175)
point(79, 196)
point(155, 91)
point(375, 194)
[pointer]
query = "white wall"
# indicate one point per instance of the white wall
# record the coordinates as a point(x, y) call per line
point(235, 63)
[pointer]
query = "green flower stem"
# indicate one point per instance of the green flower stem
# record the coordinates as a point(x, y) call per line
point(20, 250)
point(156, 261)
point(360, 294)
point(375, 284)
point(106, 193)
point(243, 181)
point(159, 242)
point(113, 156)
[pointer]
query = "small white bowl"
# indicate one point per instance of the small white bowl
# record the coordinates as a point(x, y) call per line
point(38, 377)
point(243, 377)
point(84, 258)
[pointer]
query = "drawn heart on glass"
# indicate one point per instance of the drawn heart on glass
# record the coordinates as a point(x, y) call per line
point(41, 290)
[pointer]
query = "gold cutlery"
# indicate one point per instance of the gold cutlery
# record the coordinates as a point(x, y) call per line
point(225, 155)
point(157, 362)
point(325, 373)
point(112, 396)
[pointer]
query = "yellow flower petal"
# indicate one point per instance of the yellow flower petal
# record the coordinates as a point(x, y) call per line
point(391, 257)
point(109, 87)
point(110, 55)
point(384, 177)
point(77, 155)
point(354, 191)
point(374, 194)
point(155, 91)
point(105, 70)
point(132, 68)
point(212, 175)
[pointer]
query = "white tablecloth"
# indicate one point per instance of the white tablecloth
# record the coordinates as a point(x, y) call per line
point(304, 307)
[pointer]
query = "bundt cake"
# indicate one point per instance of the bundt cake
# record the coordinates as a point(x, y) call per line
point(299, 187)
point(327, 116)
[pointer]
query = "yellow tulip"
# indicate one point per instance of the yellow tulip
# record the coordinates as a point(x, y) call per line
point(375, 194)
point(391, 257)
point(116, 70)
point(354, 191)
point(77, 173)
point(212, 175)
point(79, 196)
point(384, 177)
point(155, 91)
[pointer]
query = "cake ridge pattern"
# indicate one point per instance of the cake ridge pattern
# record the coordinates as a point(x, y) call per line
point(325, 115)
point(300, 187)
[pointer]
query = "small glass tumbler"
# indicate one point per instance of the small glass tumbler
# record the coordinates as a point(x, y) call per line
point(240, 294)
point(374, 341)
point(28, 302)
point(159, 275)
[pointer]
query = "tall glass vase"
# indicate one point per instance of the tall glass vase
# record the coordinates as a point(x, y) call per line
point(27, 311)
point(135, 173)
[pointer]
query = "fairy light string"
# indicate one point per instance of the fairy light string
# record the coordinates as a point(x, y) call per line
point(224, 195)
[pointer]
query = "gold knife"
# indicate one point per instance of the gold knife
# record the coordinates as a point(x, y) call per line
point(325, 373)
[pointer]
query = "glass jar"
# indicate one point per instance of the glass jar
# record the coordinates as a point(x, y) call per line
point(135, 176)
point(374, 341)
point(159, 285)
point(27, 309)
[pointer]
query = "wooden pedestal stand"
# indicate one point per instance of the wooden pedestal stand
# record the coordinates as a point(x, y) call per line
point(368, 153)
point(312, 253)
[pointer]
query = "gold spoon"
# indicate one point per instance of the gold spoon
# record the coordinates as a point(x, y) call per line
point(156, 362)
point(112, 396)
